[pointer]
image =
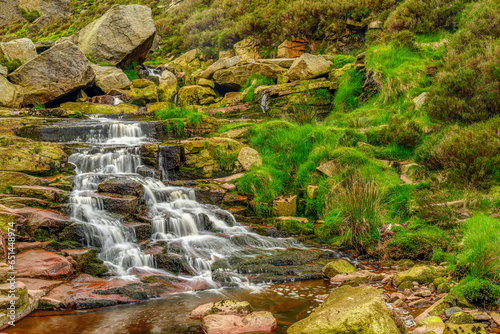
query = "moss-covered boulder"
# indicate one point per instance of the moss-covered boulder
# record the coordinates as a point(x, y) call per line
point(143, 91)
point(27, 156)
point(336, 267)
point(421, 274)
point(96, 108)
point(349, 310)
point(464, 329)
point(196, 95)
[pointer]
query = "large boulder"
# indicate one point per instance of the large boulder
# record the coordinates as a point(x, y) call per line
point(237, 76)
point(308, 66)
point(122, 35)
point(27, 156)
point(11, 95)
point(110, 77)
point(61, 70)
point(359, 310)
point(22, 49)
point(196, 95)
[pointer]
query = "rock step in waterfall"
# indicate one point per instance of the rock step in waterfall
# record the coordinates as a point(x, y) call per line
point(197, 234)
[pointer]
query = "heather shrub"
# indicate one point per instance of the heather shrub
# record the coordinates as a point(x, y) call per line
point(467, 89)
point(470, 156)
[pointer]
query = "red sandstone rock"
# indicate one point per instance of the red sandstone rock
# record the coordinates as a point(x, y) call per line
point(38, 263)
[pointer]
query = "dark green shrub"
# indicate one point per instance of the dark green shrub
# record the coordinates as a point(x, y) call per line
point(468, 86)
point(405, 134)
point(479, 292)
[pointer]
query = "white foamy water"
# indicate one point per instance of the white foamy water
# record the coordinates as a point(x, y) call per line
point(200, 234)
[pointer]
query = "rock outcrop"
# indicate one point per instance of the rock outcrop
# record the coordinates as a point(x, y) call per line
point(349, 310)
point(61, 70)
point(122, 35)
point(26, 156)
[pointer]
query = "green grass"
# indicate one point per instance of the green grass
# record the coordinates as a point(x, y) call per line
point(347, 96)
point(232, 126)
point(173, 112)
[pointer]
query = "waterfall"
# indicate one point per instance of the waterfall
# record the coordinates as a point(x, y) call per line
point(200, 234)
point(264, 105)
point(117, 101)
point(176, 97)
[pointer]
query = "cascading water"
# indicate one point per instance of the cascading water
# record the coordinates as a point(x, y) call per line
point(264, 103)
point(200, 234)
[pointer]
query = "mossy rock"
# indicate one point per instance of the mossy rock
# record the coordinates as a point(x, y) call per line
point(95, 108)
point(196, 95)
point(461, 318)
point(438, 281)
point(421, 274)
point(349, 310)
point(142, 92)
point(429, 320)
point(406, 285)
point(8, 179)
point(336, 267)
point(27, 156)
point(356, 281)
